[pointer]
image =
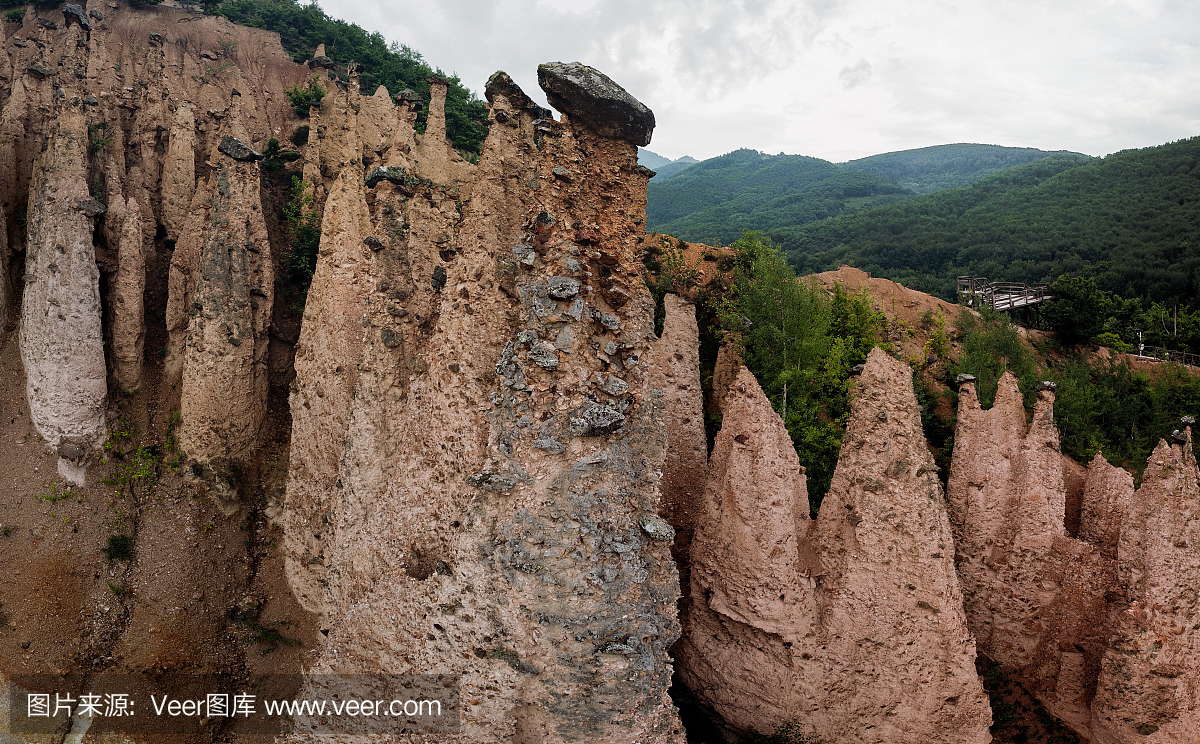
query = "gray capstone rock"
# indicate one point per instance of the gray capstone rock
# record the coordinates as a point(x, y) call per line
point(857, 369)
point(585, 94)
point(562, 287)
point(960, 379)
point(594, 420)
point(658, 529)
point(1179, 436)
point(238, 150)
point(157, 38)
point(408, 95)
point(321, 62)
point(75, 14)
point(1045, 385)
point(489, 480)
point(1188, 421)
point(645, 171)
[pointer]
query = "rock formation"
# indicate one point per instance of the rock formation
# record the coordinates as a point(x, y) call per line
point(1073, 618)
point(475, 442)
point(224, 380)
point(850, 626)
point(62, 345)
point(1148, 685)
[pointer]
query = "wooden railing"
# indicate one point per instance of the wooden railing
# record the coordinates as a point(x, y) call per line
point(1168, 355)
point(1001, 295)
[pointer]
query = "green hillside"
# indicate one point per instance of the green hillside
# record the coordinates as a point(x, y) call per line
point(674, 168)
point(1130, 220)
point(929, 169)
point(719, 198)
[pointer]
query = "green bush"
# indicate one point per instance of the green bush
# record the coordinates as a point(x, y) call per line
point(992, 346)
point(303, 96)
point(16, 15)
point(303, 226)
point(800, 344)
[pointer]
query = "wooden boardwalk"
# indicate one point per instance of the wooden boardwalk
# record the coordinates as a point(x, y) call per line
point(1001, 295)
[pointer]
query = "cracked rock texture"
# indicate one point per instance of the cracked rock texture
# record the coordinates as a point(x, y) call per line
point(850, 625)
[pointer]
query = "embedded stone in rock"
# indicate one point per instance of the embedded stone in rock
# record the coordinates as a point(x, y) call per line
point(643, 170)
point(543, 355)
point(390, 338)
point(525, 254)
point(157, 38)
point(373, 243)
point(658, 529)
point(74, 13)
point(586, 94)
point(494, 482)
point(89, 206)
point(40, 71)
point(393, 173)
point(47, 23)
point(594, 420)
point(96, 14)
point(550, 444)
point(562, 287)
point(610, 322)
point(238, 150)
point(439, 278)
point(615, 385)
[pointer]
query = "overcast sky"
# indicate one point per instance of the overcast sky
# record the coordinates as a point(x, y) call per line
point(840, 79)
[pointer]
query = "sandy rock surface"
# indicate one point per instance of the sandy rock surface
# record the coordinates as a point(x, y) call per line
point(850, 625)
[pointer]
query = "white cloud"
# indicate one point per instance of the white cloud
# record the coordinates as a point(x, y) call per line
point(842, 78)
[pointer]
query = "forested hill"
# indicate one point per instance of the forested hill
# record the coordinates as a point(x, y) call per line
point(718, 198)
point(302, 27)
point(929, 169)
point(1130, 220)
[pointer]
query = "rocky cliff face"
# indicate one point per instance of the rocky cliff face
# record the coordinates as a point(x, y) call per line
point(850, 626)
point(475, 445)
point(1065, 614)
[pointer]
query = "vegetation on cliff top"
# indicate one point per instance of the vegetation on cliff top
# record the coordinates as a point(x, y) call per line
point(302, 27)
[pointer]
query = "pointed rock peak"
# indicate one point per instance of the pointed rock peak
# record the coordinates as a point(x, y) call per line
point(588, 95)
point(501, 84)
point(382, 92)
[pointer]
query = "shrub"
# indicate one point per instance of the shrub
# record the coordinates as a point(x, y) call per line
point(304, 96)
point(119, 548)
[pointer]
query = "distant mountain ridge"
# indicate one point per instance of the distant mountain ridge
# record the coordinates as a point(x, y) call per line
point(1130, 220)
point(664, 167)
point(929, 169)
point(718, 198)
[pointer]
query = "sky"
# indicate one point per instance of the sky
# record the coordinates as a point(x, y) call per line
point(840, 79)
